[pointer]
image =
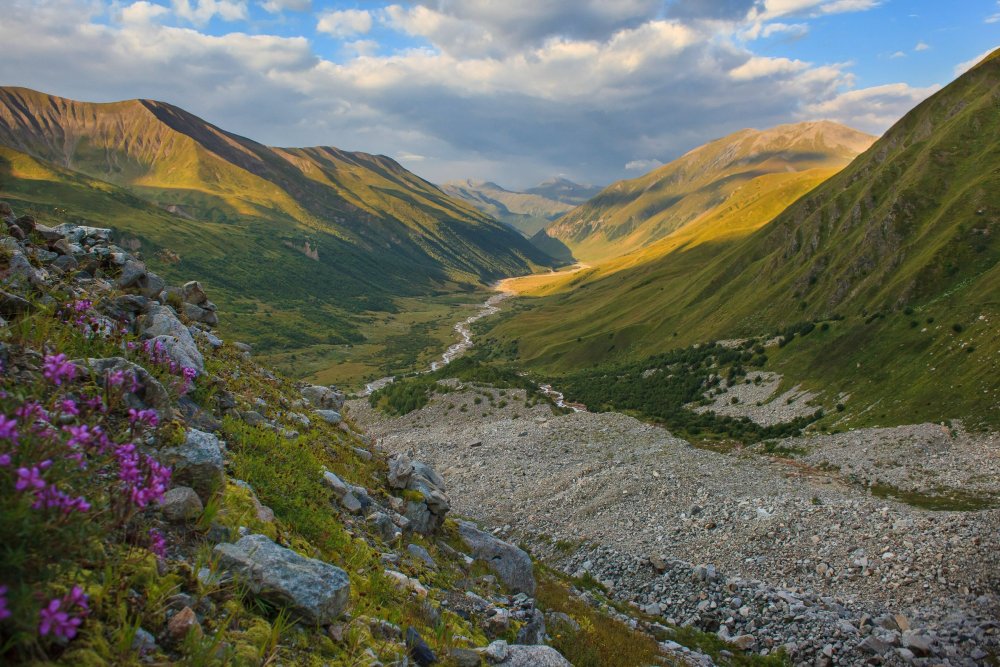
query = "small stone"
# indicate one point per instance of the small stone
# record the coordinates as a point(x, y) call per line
point(350, 503)
point(182, 624)
point(181, 504)
point(418, 649)
point(463, 657)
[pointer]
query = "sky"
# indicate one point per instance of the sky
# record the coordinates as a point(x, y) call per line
point(512, 91)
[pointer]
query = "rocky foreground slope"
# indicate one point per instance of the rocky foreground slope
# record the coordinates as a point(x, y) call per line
point(165, 500)
point(790, 552)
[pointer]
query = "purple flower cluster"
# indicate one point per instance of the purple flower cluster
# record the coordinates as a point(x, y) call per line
point(143, 418)
point(4, 611)
point(157, 544)
point(144, 486)
point(57, 369)
point(62, 617)
point(157, 353)
point(47, 496)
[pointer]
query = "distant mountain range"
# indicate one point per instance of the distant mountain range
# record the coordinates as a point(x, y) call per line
point(308, 234)
point(897, 256)
point(529, 211)
point(629, 215)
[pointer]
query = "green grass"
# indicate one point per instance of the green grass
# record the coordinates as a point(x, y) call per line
point(952, 500)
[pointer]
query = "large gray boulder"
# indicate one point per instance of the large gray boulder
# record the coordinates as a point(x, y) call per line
point(327, 398)
point(161, 324)
point(196, 463)
point(427, 513)
point(510, 563)
point(507, 655)
point(316, 591)
point(150, 393)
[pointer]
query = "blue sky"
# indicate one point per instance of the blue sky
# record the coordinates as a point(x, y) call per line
point(513, 91)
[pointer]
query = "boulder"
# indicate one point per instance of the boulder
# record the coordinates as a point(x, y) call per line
point(510, 563)
point(194, 293)
point(196, 463)
point(501, 653)
point(421, 554)
point(181, 504)
point(329, 416)
point(313, 590)
point(418, 649)
point(149, 393)
point(323, 397)
point(160, 323)
point(427, 513)
point(532, 633)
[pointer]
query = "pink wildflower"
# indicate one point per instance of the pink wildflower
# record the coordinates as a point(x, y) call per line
point(56, 617)
point(116, 378)
point(157, 544)
point(4, 611)
point(68, 407)
point(57, 368)
point(31, 478)
point(8, 428)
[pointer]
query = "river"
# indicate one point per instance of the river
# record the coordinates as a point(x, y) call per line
point(464, 330)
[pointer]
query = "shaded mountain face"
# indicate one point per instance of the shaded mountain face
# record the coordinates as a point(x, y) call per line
point(632, 214)
point(343, 231)
point(529, 211)
point(898, 255)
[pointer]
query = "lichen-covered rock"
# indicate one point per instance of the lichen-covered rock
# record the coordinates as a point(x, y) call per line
point(316, 591)
point(511, 564)
point(427, 510)
point(197, 462)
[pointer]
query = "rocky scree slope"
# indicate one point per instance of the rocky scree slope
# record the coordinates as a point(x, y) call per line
point(164, 499)
point(788, 551)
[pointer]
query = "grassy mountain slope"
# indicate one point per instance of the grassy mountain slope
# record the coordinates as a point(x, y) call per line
point(902, 244)
point(528, 213)
point(300, 245)
point(630, 215)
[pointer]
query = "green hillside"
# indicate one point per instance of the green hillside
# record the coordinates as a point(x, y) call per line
point(629, 215)
point(301, 245)
point(897, 254)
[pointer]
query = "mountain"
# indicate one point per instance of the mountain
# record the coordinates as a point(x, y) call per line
point(529, 211)
point(306, 235)
point(896, 256)
point(564, 190)
point(629, 215)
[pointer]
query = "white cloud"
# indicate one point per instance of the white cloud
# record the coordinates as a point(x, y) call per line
point(921, 46)
point(643, 165)
point(963, 67)
point(777, 8)
point(205, 10)
point(898, 54)
point(278, 6)
point(758, 67)
point(871, 109)
point(142, 12)
point(345, 23)
point(994, 18)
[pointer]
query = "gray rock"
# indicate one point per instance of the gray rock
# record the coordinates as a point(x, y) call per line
point(338, 485)
point(323, 397)
point(150, 393)
point(351, 503)
point(524, 656)
point(558, 621)
point(463, 657)
point(181, 504)
point(196, 463)
point(329, 416)
point(427, 514)
point(316, 591)
point(131, 274)
point(533, 632)
point(199, 314)
point(384, 527)
point(144, 642)
point(161, 324)
point(509, 562)
point(421, 554)
point(194, 293)
point(917, 642)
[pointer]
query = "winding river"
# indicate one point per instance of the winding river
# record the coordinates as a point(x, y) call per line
point(464, 330)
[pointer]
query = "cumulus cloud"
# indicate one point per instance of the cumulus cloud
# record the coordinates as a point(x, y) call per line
point(921, 46)
point(871, 109)
point(512, 91)
point(345, 23)
point(202, 11)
